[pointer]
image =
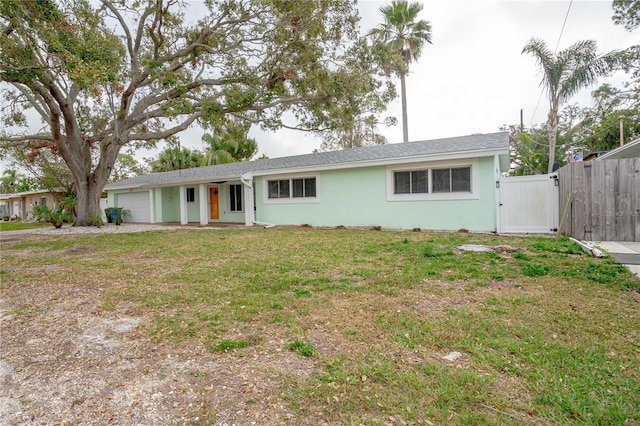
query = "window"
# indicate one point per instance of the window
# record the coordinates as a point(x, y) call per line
point(43, 202)
point(304, 188)
point(191, 195)
point(235, 198)
point(411, 182)
point(452, 180)
point(279, 188)
point(437, 180)
point(292, 188)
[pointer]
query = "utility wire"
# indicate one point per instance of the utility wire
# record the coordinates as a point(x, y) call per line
point(555, 51)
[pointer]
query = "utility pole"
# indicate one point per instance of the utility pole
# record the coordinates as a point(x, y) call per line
point(621, 130)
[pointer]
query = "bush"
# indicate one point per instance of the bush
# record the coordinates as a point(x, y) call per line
point(56, 216)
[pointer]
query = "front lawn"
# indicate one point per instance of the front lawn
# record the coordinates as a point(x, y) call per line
point(349, 326)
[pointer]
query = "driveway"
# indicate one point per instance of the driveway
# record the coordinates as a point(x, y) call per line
point(626, 253)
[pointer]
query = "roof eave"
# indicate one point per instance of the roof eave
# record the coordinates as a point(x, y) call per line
point(628, 150)
point(387, 161)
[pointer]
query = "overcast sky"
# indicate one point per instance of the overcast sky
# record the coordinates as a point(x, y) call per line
point(473, 78)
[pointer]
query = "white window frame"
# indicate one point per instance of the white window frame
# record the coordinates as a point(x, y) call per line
point(291, 199)
point(474, 194)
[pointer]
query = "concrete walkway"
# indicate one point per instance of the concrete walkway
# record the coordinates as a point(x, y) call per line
point(627, 253)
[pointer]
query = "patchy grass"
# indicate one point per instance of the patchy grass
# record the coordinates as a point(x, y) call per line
point(547, 334)
point(302, 348)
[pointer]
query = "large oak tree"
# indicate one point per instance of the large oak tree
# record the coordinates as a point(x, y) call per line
point(109, 74)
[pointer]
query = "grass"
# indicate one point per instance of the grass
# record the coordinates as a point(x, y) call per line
point(18, 225)
point(548, 334)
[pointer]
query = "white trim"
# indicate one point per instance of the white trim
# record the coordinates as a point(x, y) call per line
point(434, 196)
point(290, 200)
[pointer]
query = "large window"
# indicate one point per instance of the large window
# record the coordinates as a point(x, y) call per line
point(292, 188)
point(235, 198)
point(279, 188)
point(452, 180)
point(411, 182)
point(440, 180)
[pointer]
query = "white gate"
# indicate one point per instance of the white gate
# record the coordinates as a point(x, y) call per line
point(528, 204)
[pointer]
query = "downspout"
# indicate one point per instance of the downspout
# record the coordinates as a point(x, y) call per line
point(247, 180)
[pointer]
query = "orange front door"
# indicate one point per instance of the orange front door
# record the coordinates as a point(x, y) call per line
point(213, 196)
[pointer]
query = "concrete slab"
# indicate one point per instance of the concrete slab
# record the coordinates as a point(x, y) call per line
point(626, 253)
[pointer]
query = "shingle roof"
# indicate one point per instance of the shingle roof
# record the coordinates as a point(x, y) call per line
point(358, 156)
point(628, 150)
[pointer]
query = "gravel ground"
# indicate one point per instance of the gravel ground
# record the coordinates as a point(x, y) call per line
point(108, 228)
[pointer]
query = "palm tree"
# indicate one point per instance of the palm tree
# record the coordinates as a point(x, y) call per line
point(219, 150)
point(9, 181)
point(564, 74)
point(406, 37)
point(176, 158)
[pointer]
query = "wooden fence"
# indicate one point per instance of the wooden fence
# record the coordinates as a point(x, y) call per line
point(600, 200)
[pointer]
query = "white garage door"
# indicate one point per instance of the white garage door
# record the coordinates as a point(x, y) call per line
point(138, 205)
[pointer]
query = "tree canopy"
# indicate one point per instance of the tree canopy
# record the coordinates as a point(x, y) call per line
point(109, 74)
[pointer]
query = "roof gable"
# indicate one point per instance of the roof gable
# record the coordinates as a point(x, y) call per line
point(476, 145)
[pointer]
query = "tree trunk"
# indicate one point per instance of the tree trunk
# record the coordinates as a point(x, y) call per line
point(88, 207)
point(88, 184)
point(405, 126)
point(552, 128)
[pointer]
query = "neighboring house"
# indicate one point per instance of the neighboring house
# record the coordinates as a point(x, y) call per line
point(444, 184)
point(21, 204)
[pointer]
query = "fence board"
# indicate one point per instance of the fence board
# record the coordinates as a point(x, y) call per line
point(635, 199)
point(625, 184)
point(606, 199)
point(564, 177)
point(578, 187)
point(611, 200)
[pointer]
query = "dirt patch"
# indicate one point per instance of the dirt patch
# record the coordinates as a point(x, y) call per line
point(65, 360)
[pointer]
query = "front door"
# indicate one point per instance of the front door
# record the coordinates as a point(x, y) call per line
point(213, 196)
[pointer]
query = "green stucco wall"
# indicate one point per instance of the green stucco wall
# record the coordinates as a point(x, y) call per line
point(357, 197)
point(168, 204)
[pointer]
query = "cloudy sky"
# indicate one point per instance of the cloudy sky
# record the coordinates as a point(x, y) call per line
point(473, 78)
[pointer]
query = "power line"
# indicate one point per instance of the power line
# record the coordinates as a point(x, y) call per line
point(566, 16)
point(563, 25)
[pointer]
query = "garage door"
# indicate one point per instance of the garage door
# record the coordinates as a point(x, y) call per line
point(138, 205)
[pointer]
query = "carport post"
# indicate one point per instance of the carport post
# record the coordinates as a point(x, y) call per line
point(184, 216)
point(152, 205)
point(204, 218)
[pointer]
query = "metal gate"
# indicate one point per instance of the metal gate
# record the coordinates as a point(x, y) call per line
point(528, 204)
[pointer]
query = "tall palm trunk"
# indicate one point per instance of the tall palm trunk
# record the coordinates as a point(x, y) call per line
point(552, 128)
point(405, 125)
